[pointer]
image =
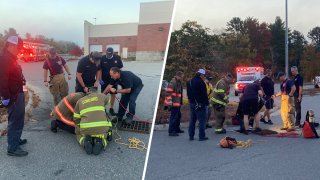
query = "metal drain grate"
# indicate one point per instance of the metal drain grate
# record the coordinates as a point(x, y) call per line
point(137, 126)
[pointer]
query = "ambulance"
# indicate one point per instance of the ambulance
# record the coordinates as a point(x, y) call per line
point(247, 75)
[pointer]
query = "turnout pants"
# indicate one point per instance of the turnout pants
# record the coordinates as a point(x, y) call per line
point(219, 115)
point(64, 126)
point(129, 99)
point(174, 123)
point(287, 111)
point(201, 116)
point(58, 88)
point(16, 111)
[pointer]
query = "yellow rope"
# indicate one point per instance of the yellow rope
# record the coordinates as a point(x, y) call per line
point(133, 142)
point(244, 144)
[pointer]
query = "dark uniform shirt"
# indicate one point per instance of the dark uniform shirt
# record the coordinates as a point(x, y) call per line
point(129, 80)
point(298, 81)
point(286, 86)
point(197, 91)
point(107, 64)
point(11, 77)
point(55, 66)
point(250, 91)
point(88, 70)
point(267, 85)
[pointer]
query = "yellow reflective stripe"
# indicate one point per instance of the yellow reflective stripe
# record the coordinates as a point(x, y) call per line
point(225, 98)
point(81, 140)
point(76, 115)
point(96, 124)
point(92, 109)
point(218, 101)
point(218, 130)
point(218, 90)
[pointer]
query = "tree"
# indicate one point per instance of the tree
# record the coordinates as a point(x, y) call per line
point(76, 51)
point(297, 43)
point(314, 35)
point(278, 44)
point(235, 25)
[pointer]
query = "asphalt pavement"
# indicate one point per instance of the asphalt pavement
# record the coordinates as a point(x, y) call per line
point(268, 158)
point(59, 156)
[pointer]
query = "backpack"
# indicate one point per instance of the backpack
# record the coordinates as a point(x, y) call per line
point(308, 129)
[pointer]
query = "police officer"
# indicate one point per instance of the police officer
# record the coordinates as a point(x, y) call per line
point(63, 113)
point(93, 128)
point(131, 88)
point(298, 82)
point(198, 100)
point(88, 72)
point(219, 102)
point(58, 86)
point(107, 62)
point(11, 92)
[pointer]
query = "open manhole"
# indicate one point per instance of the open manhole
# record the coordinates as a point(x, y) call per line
point(136, 126)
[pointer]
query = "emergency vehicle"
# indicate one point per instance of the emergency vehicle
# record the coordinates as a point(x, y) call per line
point(247, 75)
point(32, 51)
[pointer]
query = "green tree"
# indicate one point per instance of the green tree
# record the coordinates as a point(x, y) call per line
point(297, 44)
point(314, 35)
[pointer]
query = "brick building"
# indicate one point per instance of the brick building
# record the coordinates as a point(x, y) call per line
point(145, 40)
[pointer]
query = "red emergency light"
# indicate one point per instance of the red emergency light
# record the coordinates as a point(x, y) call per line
point(240, 86)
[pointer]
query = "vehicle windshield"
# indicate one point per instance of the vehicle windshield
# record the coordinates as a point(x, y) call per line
point(247, 78)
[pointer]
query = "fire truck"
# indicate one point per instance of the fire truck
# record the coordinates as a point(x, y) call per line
point(247, 75)
point(32, 51)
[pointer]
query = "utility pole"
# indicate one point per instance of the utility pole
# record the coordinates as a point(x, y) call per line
point(95, 21)
point(286, 41)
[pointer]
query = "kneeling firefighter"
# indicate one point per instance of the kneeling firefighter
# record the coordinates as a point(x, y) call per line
point(63, 113)
point(93, 127)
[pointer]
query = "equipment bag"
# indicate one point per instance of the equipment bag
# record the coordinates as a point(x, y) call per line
point(309, 130)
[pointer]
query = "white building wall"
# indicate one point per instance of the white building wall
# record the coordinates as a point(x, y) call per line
point(156, 12)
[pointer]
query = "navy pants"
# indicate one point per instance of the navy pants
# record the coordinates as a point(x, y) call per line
point(16, 111)
point(174, 123)
point(298, 111)
point(64, 126)
point(201, 116)
point(129, 99)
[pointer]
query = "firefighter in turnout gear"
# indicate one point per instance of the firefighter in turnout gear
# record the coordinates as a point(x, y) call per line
point(93, 128)
point(173, 102)
point(219, 101)
point(63, 113)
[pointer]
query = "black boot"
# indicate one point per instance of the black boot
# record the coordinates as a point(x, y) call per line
point(22, 141)
point(54, 126)
point(97, 147)
point(128, 120)
point(18, 152)
point(87, 144)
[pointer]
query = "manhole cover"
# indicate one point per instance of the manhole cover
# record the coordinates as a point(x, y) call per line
point(137, 126)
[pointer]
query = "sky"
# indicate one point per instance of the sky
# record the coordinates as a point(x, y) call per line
point(64, 19)
point(303, 15)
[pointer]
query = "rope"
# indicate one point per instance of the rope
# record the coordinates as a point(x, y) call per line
point(134, 143)
point(136, 117)
point(244, 144)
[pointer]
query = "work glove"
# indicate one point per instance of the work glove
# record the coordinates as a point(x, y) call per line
point(101, 82)
point(5, 102)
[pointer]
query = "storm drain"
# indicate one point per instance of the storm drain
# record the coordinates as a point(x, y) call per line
point(136, 126)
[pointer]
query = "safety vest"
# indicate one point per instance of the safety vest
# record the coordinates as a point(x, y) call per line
point(65, 109)
point(173, 94)
point(90, 116)
point(220, 93)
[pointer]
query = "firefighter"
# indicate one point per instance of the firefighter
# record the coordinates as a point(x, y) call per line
point(173, 102)
point(220, 100)
point(63, 113)
point(287, 88)
point(88, 72)
point(107, 62)
point(131, 87)
point(11, 93)
point(210, 93)
point(298, 82)
point(93, 128)
point(58, 86)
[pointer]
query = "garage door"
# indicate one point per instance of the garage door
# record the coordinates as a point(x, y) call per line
point(96, 48)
